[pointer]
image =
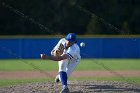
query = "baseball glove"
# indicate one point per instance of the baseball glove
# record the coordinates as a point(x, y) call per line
point(61, 48)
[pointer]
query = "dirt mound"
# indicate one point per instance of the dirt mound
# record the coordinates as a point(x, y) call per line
point(75, 87)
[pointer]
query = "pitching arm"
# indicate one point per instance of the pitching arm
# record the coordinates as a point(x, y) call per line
point(55, 58)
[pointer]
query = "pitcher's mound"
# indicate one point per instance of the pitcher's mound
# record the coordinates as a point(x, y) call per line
point(75, 87)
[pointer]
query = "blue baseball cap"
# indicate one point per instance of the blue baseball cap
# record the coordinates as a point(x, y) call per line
point(71, 37)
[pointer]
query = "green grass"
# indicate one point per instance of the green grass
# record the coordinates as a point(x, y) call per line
point(134, 80)
point(85, 64)
point(10, 82)
point(27, 65)
point(114, 64)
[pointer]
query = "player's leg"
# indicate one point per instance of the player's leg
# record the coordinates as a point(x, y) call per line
point(63, 75)
point(71, 66)
point(57, 78)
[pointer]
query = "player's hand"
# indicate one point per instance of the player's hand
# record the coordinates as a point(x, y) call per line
point(43, 56)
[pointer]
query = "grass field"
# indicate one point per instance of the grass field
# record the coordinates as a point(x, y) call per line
point(86, 64)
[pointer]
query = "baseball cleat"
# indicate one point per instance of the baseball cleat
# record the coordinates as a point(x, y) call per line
point(65, 90)
point(57, 79)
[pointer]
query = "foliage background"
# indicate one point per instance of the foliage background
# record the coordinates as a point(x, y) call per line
point(64, 16)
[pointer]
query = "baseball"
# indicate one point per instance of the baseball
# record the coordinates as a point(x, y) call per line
point(82, 44)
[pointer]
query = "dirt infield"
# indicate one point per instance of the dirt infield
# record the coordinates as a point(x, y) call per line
point(44, 74)
point(75, 87)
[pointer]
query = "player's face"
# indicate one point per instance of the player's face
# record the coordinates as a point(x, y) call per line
point(69, 44)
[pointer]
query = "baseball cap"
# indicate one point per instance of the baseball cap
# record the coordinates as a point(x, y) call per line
point(71, 37)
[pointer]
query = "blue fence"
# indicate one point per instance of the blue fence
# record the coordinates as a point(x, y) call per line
point(95, 47)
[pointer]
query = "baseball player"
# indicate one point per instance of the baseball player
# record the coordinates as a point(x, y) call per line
point(67, 53)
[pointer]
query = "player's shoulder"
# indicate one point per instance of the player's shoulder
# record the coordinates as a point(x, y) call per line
point(75, 47)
